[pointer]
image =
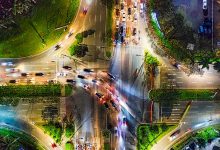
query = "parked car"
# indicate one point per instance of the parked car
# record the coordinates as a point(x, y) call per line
point(39, 74)
point(12, 81)
point(67, 67)
point(117, 12)
point(87, 70)
point(70, 81)
point(24, 74)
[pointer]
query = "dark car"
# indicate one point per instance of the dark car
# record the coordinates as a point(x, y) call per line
point(24, 74)
point(106, 105)
point(94, 80)
point(81, 76)
point(117, 12)
point(39, 74)
point(67, 67)
point(70, 81)
point(12, 81)
point(122, 6)
point(121, 29)
point(99, 95)
point(122, 39)
point(87, 70)
point(113, 104)
point(134, 31)
point(116, 2)
point(57, 47)
point(111, 76)
point(124, 120)
point(129, 11)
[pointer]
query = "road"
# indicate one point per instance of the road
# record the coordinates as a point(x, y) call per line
point(200, 115)
point(9, 118)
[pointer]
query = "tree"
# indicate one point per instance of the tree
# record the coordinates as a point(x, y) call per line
point(79, 37)
point(69, 146)
point(217, 66)
point(205, 61)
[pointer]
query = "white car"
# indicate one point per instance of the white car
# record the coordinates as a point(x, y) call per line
point(117, 24)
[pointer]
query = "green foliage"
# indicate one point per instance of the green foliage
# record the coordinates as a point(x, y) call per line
point(206, 134)
point(150, 60)
point(181, 94)
point(16, 140)
point(30, 90)
point(54, 130)
point(107, 146)
point(70, 129)
point(36, 31)
point(79, 37)
point(147, 134)
point(69, 146)
point(108, 54)
point(68, 90)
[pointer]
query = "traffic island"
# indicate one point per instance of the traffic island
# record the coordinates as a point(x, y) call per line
point(149, 134)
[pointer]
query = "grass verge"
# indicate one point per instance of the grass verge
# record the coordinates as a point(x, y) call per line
point(148, 135)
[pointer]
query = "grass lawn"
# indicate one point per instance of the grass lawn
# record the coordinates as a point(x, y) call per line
point(35, 32)
point(17, 140)
point(181, 94)
point(148, 135)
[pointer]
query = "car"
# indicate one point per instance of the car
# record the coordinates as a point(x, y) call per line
point(129, 11)
point(58, 46)
point(135, 4)
point(113, 104)
point(117, 24)
point(99, 95)
point(12, 70)
point(67, 67)
point(134, 32)
point(117, 12)
point(85, 10)
point(111, 76)
point(39, 74)
point(87, 70)
point(53, 145)
point(51, 81)
point(174, 135)
point(106, 105)
point(32, 80)
point(122, 6)
point(24, 74)
point(115, 131)
point(124, 120)
point(12, 81)
point(86, 87)
point(94, 81)
point(122, 39)
point(121, 30)
point(123, 19)
point(61, 74)
point(81, 76)
point(116, 2)
point(7, 64)
point(70, 81)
